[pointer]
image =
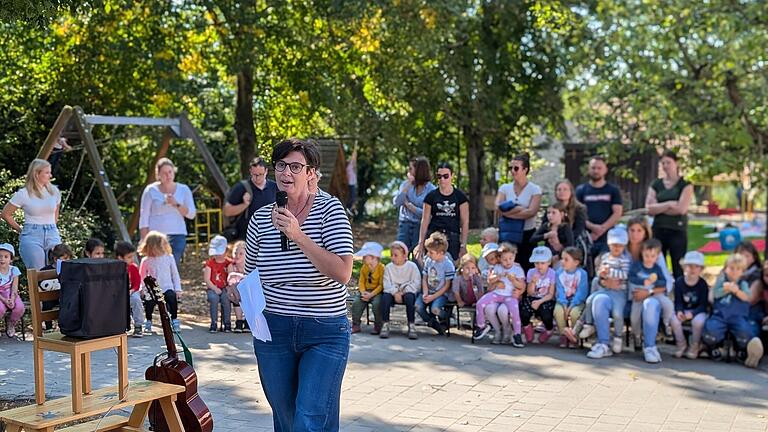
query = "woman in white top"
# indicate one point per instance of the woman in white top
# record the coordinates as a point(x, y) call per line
point(40, 201)
point(164, 205)
point(526, 197)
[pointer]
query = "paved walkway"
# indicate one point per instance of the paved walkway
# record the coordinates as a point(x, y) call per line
point(438, 384)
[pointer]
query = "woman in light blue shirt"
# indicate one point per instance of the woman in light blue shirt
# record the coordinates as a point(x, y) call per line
point(410, 201)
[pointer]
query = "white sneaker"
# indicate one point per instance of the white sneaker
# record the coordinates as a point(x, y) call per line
point(651, 355)
point(617, 344)
point(587, 331)
point(754, 352)
point(599, 351)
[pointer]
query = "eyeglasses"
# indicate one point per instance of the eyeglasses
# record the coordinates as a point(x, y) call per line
point(295, 167)
point(443, 176)
point(514, 168)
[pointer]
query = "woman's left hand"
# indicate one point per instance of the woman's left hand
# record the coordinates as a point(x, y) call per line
point(286, 222)
point(171, 200)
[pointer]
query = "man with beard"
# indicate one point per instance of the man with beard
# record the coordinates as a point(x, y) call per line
point(603, 202)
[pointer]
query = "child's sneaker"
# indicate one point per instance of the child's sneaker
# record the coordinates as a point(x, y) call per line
point(228, 328)
point(544, 336)
point(176, 325)
point(693, 351)
point(148, 327)
point(587, 331)
point(517, 341)
point(528, 332)
point(355, 328)
point(496, 338)
point(137, 333)
point(376, 330)
point(617, 345)
point(238, 326)
point(212, 328)
point(10, 329)
point(651, 355)
point(716, 354)
point(481, 332)
point(599, 351)
point(754, 352)
point(681, 347)
point(412, 331)
point(384, 333)
point(563, 341)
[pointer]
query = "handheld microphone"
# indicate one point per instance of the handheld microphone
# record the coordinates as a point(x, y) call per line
point(281, 200)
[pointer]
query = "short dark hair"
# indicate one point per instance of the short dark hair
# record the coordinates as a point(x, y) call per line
point(308, 149)
point(92, 244)
point(574, 253)
point(123, 248)
point(59, 251)
point(651, 243)
point(669, 154)
point(444, 165)
point(600, 158)
point(258, 161)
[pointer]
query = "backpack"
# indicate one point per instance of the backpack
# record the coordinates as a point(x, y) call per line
point(230, 232)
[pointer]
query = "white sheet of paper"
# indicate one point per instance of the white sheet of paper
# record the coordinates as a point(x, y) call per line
point(252, 301)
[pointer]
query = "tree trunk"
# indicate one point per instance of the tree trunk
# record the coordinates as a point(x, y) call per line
point(476, 172)
point(244, 128)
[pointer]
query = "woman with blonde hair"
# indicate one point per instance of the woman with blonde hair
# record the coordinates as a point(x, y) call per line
point(40, 200)
point(164, 205)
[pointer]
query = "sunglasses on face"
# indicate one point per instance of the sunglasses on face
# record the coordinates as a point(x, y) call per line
point(295, 167)
point(443, 176)
point(514, 168)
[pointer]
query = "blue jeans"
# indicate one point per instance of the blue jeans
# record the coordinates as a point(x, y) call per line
point(301, 370)
point(719, 324)
point(226, 308)
point(34, 243)
point(651, 316)
point(178, 244)
point(408, 233)
point(435, 308)
point(606, 305)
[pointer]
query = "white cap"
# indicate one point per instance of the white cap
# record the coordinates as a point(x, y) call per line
point(541, 254)
point(488, 249)
point(8, 247)
point(217, 246)
point(618, 235)
point(693, 258)
point(370, 248)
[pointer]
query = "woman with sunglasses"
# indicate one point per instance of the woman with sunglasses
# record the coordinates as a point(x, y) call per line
point(519, 200)
point(446, 209)
point(302, 367)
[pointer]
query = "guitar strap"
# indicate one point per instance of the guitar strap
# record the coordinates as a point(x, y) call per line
point(185, 349)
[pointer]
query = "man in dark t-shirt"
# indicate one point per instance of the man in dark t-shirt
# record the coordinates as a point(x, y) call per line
point(247, 196)
point(603, 202)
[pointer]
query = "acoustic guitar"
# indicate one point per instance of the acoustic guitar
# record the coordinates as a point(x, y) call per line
point(168, 368)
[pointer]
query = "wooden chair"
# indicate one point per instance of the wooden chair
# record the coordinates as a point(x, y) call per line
point(79, 349)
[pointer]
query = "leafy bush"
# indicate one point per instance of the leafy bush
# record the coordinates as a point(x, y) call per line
point(75, 228)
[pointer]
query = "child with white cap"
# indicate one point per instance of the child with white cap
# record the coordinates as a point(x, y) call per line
point(540, 298)
point(691, 292)
point(215, 277)
point(10, 301)
point(489, 257)
point(371, 286)
point(402, 281)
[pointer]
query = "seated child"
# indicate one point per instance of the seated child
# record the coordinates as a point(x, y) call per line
point(506, 283)
point(489, 257)
point(402, 282)
point(648, 290)
point(610, 283)
point(572, 289)
point(94, 248)
point(371, 286)
point(159, 263)
point(468, 286)
point(125, 252)
point(10, 301)
point(539, 300)
point(236, 273)
point(489, 235)
point(691, 293)
point(60, 252)
point(215, 277)
point(436, 279)
point(730, 312)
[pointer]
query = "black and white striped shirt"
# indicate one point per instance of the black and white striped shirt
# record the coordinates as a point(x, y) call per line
point(292, 285)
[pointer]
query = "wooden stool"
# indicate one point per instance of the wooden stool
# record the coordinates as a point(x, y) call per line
point(140, 395)
point(79, 349)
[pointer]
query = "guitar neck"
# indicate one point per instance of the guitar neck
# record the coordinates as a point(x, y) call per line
point(165, 320)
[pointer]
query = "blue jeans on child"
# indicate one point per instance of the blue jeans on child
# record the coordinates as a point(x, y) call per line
point(226, 308)
point(605, 305)
point(301, 370)
point(137, 309)
point(436, 308)
point(178, 243)
point(718, 324)
point(34, 243)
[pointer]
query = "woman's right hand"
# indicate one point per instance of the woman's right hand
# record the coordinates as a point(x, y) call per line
point(681, 316)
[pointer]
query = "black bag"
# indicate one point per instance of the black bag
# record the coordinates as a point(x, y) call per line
point(94, 298)
point(230, 231)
